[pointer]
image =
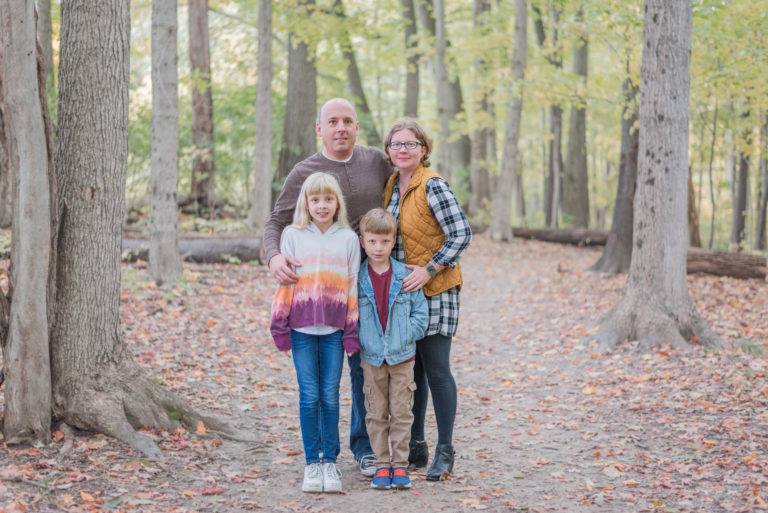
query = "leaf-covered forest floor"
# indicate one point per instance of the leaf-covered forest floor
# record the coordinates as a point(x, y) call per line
point(545, 422)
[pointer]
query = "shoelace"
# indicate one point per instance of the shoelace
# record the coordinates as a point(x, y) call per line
point(315, 471)
point(400, 472)
point(382, 472)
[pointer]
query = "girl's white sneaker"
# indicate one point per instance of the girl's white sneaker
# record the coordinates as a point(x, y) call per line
point(313, 478)
point(331, 478)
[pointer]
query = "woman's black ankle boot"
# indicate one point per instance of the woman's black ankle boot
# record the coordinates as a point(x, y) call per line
point(418, 454)
point(442, 465)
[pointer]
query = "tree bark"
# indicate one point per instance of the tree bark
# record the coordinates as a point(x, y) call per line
point(762, 203)
point(202, 179)
point(364, 115)
point(656, 307)
point(26, 357)
point(618, 249)
point(576, 186)
point(299, 138)
point(164, 264)
point(501, 228)
point(411, 48)
point(740, 203)
point(479, 174)
point(261, 200)
point(95, 382)
point(6, 179)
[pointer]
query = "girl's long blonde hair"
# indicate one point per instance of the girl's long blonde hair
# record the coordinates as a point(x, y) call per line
point(319, 183)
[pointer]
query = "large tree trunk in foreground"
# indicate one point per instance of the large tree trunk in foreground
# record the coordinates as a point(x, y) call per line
point(618, 249)
point(96, 384)
point(261, 198)
point(164, 263)
point(502, 201)
point(656, 307)
point(202, 189)
point(26, 357)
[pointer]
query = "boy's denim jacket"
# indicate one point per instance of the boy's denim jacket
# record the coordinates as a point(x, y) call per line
point(407, 321)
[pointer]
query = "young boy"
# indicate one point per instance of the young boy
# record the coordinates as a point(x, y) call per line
point(391, 321)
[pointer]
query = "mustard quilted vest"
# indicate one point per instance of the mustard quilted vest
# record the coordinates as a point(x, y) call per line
point(422, 234)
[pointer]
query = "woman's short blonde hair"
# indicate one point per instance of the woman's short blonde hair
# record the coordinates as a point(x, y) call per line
point(319, 183)
point(418, 130)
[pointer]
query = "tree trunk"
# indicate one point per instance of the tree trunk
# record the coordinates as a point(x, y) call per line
point(202, 179)
point(261, 201)
point(576, 186)
point(164, 262)
point(364, 115)
point(478, 173)
point(502, 201)
point(552, 200)
point(693, 216)
point(762, 204)
point(412, 52)
point(26, 357)
point(617, 254)
point(96, 384)
point(555, 164)
point(656, 307)
point(711, 180)
point(740, 203)
point(453, 152)
point(6, 180)
point(299, 138)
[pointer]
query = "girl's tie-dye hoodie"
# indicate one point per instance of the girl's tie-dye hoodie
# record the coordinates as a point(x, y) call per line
point(326, 293)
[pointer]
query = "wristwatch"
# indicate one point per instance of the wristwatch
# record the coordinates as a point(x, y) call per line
point(431, 269)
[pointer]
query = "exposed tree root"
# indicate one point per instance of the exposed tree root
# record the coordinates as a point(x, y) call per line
point(650, 324)
point(122, 399)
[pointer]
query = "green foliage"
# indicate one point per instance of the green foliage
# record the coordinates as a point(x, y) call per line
point(728, 39)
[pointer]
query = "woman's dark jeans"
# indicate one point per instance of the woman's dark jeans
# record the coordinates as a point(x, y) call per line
point(433, 366)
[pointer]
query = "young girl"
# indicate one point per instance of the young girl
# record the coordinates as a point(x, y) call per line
point(316, 318)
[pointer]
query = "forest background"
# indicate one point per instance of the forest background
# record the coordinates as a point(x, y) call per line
point(579, 56)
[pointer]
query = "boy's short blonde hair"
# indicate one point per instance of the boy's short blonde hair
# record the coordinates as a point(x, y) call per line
point(378, 221)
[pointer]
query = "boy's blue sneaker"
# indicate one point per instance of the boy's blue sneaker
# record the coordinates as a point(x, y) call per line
point(382, 480)
point(400, 479)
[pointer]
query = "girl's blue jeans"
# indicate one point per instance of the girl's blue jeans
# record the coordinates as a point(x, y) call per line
point(318, 360)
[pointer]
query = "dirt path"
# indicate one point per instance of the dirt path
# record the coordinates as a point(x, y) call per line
point(545, 422)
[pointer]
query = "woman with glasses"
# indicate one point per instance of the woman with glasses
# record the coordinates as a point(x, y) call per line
point(432, 233)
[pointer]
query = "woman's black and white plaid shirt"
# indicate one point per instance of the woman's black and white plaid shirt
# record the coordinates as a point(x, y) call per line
point(443, 307)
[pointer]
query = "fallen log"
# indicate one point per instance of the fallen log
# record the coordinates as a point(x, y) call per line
point(209, 251)
point(717, 263)
point(575, 236)
point(721, 263)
